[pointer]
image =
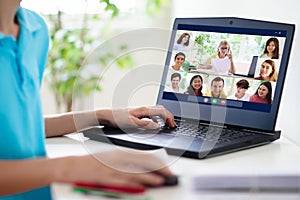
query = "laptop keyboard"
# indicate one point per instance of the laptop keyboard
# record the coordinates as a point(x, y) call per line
point(206, 132)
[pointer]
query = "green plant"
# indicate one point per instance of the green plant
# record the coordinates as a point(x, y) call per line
point(69, 48)
point(203, 43)
point(154, 6)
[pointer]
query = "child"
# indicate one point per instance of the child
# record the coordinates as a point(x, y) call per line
point(25, 172)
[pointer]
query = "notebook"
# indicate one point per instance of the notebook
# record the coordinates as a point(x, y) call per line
point(211, 125)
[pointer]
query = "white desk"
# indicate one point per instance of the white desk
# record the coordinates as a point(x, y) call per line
point(279, 157)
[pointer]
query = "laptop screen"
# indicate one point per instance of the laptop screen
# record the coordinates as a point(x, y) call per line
point(231, 66)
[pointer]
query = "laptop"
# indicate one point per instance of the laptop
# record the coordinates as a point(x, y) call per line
point(220, 65)
point(211, 126)
point(251, 70)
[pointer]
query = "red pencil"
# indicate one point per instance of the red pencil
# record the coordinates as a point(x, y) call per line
point(120, 189)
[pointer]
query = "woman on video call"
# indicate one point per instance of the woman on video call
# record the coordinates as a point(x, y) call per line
point(195, 87)
point(268, 71)
point(223, 52)
point(182, 43)
point(263, 93)
point(271, 50)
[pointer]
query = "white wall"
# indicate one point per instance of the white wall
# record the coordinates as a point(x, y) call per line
point(281, 11)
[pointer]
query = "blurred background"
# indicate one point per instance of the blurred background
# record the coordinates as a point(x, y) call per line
point(95, 46)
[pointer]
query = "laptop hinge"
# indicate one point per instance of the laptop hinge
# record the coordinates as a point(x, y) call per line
point(213, 124)
point(260, 132)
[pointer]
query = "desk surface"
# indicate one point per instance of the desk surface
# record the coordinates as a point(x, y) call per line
point(279, 157)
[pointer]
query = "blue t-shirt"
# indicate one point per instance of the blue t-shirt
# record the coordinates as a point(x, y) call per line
point(22, 63)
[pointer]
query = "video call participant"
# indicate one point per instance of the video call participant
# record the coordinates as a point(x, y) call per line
point(271, 49)
point(175, 80)
point(241, 88)
point(223, 52)
point(216, 89)
point(179, 60)
point(195, 87)
point(263, 94)
point(183, 42)
point(268, 71)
